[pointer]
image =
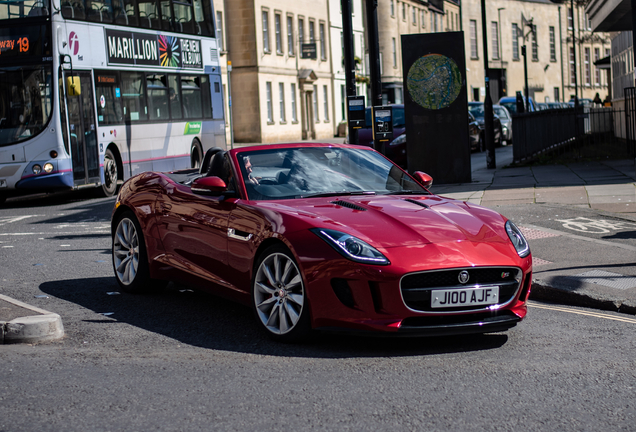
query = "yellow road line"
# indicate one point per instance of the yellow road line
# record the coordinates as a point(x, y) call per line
point(591, 314)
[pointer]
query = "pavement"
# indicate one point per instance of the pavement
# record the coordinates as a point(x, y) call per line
point(574, 263)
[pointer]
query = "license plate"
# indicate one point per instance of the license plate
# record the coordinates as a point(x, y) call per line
point(465, 297)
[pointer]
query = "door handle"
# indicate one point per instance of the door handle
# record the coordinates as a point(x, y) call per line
point(239, 235)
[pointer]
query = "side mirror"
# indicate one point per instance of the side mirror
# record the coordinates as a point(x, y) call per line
point(423, 179)
point(212, 186)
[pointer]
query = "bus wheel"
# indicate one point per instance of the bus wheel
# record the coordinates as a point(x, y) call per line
point(196, 154)
point(111, 175)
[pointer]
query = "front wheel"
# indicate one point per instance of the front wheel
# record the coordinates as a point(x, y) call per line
point(130, 259)
point(279, 298)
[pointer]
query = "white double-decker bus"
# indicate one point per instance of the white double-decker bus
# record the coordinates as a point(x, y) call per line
point(94, 92)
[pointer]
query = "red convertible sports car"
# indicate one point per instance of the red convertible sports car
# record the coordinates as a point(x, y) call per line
point(322, 236)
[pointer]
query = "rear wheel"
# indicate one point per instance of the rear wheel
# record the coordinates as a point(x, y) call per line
point(111, 174)
point(196, 154)
point(130, 259)
point(278, 296)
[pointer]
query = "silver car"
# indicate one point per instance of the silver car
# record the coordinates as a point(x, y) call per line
point(506, 123)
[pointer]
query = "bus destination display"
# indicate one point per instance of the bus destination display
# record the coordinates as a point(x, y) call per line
point(132, 48)
point(19, 42)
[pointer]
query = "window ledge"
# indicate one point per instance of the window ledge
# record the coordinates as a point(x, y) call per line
point(271, 123)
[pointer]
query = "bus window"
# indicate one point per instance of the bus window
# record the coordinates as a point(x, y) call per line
point(206, 96)
point(157, 97)
point(133, 96)
point(108, 102)
point(175, 97)
point(183, 16)
point(191, 93)
point(124, 12)
point(100, 11)
point(166, 15)
point(149, 14)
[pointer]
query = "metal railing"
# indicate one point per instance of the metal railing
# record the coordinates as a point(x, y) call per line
point(559, 131)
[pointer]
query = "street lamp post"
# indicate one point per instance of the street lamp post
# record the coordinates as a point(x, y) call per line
point(489, 122)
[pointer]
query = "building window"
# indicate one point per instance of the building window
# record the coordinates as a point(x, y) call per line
point(403, 11)
point(597, 71)
point(586, 59)
point(323, 42)
point(474, 54)
point(394, 52)
point(535, 46)
point(301, 30)
point(268, 98)
point(315, 94)
point(279, 34)
point(325, 97)
point(219, 30)
point(570, 19)
point(266, 31)
point(494, 35)
point(423, 18)
point(515, 42)
point(552, 45)
point(293, 103)
point(414, 15)
point(312, 31)
point(343, 101)
point(393, 8)
point(572, 68)
point(432, 20)
point(290, 35)
point(281, 96)
point(556, 94)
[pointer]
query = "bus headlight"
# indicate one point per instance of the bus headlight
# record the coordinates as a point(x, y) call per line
point(37, 169)
point(48, 167)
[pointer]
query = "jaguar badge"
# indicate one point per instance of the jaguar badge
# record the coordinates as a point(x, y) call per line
point(463, 277)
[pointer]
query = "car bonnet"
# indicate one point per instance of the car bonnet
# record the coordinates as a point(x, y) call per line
point(398, 220)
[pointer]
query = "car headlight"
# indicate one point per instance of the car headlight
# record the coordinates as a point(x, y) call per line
point(351, 247)
point(399, 140)
point(37, 169)
point(48, 167)
point(518, 240)
point(505, 129)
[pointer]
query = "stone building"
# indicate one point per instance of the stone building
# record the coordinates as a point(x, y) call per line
point(281, 79)
point(545, 28)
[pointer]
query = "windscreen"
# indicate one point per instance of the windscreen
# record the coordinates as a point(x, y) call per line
point(18, 9)
point(321, 171)
point(25, 102)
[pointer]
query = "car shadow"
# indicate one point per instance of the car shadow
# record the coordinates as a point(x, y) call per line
point(202, 320)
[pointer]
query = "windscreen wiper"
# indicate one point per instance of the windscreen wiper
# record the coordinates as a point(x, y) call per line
point(341, 193)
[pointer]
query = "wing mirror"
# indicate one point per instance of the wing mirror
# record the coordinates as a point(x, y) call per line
point(423, 179)
point(213, 186)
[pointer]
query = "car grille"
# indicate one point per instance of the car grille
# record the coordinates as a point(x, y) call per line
point(417, 287)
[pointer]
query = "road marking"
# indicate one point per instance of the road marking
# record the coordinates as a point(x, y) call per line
point(580, 237)
point(11, 219)
point(578, 312)
point(595, 226)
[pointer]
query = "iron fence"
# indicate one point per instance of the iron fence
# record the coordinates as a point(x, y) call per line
point(565, 130)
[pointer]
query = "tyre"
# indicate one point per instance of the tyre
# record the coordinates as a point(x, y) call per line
point(279, 298)
point(196, 155)
point(111, 175)
point(130, 259)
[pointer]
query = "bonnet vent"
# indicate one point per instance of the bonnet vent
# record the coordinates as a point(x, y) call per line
point(417, 202)
point(348, 205)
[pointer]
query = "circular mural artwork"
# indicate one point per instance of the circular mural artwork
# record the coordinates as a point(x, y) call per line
point(434, 81)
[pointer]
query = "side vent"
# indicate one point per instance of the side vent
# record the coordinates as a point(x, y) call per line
point(343, 291)
point(417, 202)
point(347, 204)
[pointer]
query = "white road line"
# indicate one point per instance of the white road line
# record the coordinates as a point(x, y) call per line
point(586, 313)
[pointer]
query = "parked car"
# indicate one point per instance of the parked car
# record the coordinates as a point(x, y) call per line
point(506, 122)
point(554, 105)
point(542, 106)
point(510, 102)
point(396, 149)
point(582, 102)
point(477, 110)
point(322, 236)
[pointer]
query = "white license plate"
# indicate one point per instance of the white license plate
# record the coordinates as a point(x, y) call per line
point(487, 295)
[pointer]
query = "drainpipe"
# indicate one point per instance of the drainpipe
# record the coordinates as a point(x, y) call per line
point(561, 49)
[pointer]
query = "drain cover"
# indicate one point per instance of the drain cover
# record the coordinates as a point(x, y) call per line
point(612, 280)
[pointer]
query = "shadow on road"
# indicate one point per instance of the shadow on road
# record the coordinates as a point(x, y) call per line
point(199, 319)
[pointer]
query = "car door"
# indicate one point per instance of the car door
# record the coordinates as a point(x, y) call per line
point(193, 230)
